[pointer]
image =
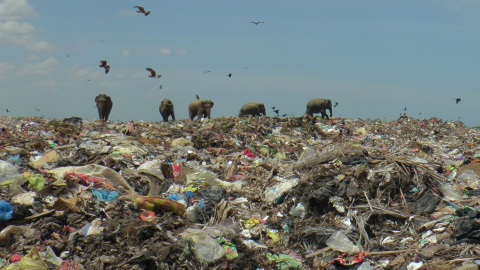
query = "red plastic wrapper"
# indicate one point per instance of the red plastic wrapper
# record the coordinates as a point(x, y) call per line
point(176, 170)
point(248, 153)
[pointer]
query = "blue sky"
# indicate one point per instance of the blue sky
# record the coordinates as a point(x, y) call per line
point(372, 57)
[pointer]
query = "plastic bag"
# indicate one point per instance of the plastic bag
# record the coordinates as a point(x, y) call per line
point(8, 172)
point(469, 178)
point(33, 261)
point(339, 241)
point(276, 193)
point(205, 247)
point(6, 210)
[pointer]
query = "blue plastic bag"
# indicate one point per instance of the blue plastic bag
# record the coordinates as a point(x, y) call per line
point(6, 210)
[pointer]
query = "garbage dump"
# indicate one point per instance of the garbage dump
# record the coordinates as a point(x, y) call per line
point(239, 193)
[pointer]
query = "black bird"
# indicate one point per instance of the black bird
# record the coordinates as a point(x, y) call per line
point(197, 96)
point(283, 115)
point(276, 111)
point(160, 87)
point(229, 75)
point(336, 104)
point(37, 109)
point(7, 110)
point(458, 100)
point(273, 108)
point(142, 10)
point(256, 23)
point(206, 71)
point(153, 74)
point(405, 109)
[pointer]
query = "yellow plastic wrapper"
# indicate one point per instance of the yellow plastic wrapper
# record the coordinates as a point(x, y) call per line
point(154, 203)
point(249, 223)
point(33, 261)
point(274, 235)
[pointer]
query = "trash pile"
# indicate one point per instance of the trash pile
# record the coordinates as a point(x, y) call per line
point(239, 193)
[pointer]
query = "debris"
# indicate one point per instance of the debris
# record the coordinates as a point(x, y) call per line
point(239, 193)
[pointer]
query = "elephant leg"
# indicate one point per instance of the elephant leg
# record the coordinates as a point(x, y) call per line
point(173, 116)
point(165, 118)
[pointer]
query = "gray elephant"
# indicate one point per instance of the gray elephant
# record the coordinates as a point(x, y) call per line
point(200, 108)
point(166, 109)
point(253, 109)
point(104, 106)
point(319, 105)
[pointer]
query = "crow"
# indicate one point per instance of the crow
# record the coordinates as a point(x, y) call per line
point(458, 100)
point(229, 75)
point(256, 23)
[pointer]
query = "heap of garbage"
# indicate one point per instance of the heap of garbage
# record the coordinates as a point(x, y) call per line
point(239, 193)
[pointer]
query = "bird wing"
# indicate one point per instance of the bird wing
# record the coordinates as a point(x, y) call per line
point(103, 62)
point(140, 8)
point(151, 71)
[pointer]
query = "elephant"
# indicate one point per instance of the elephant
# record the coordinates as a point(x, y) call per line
point(319, 105)
point(104, 106)
point(200, 108)
point(166, 109)
point(253, 109)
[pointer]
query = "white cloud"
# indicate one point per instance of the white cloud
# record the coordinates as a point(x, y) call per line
point(22, 34)
point(41, 68)
point(42, 85)
point(5, 67)
point(15, 10)
point(82, 44)
point(126, 53)
point(181, 52)
point(164, 51)
point(13, 31)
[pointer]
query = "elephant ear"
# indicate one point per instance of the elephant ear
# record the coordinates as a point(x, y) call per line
point(212, 103)
point(203, 103)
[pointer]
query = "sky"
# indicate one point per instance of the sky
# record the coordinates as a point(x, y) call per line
point(376, 58)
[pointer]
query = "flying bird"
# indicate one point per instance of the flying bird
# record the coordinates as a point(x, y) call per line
point(458, 100)
point(273, 108)
point(197, 96)
point(276, 111)
point(160, 87)
point(283, 115)
point(153, 74)
point(206, 71)
point(37, 109)
point(229, 75)
point(256, 23)
point(142, 10)
point(103, 64)
point(336, 104)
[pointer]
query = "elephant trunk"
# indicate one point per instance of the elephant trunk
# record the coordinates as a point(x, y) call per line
point(101, 109)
